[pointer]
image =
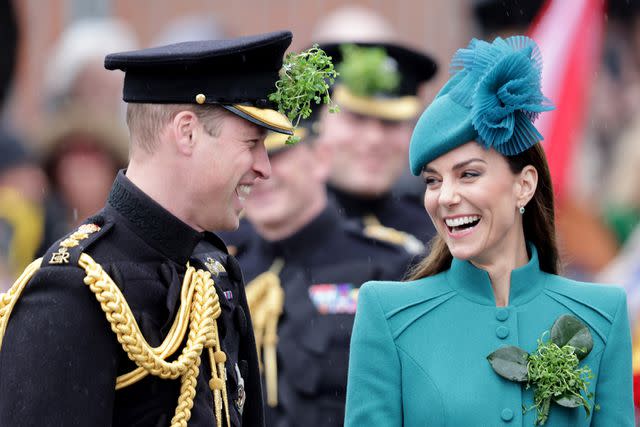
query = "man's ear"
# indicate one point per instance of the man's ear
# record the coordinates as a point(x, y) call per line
point(185, 130)
point(526, 185)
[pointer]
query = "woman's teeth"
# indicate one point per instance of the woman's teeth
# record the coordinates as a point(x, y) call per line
point(462, 221)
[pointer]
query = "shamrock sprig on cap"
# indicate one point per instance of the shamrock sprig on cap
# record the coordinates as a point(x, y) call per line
point(305, 78)
point(552, 369)
point(368, 71)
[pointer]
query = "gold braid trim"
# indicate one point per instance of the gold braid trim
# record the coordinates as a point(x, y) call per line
point(202, 312)
point(9, 299)
point(266, 302)
point(198, 302)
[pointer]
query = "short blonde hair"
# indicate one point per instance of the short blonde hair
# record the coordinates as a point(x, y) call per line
point(145, 121)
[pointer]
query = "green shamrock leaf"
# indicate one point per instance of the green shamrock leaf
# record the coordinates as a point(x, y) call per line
point(569, 330)
point(304, 80)
point(553, 368)
point(367, 71)
point(510, 362)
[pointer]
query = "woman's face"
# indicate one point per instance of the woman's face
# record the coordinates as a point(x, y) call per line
point(473, 199)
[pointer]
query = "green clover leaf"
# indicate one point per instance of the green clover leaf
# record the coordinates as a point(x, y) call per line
point(304, 80)
point(569, 330)
point(510, 362)
point(553, 368)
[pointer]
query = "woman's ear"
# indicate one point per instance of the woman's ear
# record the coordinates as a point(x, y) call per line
point(526, 185)
point(185, 130)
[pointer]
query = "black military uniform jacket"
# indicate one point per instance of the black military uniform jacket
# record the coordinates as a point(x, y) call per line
point(403, 212)
point(59, 358)
point(324, 265)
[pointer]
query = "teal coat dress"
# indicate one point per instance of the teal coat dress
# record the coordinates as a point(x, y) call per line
point(419, 348)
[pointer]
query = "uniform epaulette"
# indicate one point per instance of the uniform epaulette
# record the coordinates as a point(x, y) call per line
point(67, 250)
point(396, 237)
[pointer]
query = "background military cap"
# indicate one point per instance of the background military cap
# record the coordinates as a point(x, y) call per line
point(400, 103)
point(238, 74)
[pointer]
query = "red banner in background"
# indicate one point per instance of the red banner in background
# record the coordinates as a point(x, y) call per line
point(569, 34)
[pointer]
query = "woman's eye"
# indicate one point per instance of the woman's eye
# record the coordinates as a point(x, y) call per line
point(470, 174)
point(429, 180)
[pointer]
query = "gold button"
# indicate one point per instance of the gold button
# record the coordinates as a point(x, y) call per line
point(200, 98)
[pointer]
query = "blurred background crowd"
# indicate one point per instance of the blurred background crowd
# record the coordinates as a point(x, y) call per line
point(62, 134)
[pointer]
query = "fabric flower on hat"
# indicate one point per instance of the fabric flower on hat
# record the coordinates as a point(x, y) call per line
point(500, 83)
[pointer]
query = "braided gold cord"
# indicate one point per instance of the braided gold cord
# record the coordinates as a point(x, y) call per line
point(198, 303)
point(8, 300)
point(203, 312)
point(128, 332)
point(174, 337)
point(265, 297)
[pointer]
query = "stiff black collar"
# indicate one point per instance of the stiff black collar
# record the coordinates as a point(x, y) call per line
point(355, 206)
point(151, 222)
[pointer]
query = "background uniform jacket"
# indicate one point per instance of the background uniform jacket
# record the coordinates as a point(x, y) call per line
point(59, 358)
point(324, 265)
point(418, 353)
point(404, 212)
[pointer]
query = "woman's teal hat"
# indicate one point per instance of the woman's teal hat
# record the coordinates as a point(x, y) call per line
point(493, 97)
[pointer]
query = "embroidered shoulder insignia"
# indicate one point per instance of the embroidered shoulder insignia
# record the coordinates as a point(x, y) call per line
point(74, 242)
point(214, 266)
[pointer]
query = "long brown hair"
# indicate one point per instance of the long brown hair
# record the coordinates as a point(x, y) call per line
point(538, 221)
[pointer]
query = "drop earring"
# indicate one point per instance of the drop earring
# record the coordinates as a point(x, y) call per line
point(521, 210)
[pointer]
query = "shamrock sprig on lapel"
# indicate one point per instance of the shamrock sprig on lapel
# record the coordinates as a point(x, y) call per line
point(552, 369)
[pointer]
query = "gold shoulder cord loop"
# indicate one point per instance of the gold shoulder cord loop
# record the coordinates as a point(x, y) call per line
point(8, 300)
point(266, 302)
point(198, 303)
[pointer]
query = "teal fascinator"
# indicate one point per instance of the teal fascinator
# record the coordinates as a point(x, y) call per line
point(492, 97)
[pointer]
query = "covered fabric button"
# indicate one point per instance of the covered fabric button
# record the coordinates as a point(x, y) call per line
point(502, 332)
point(506, 414)
point(502, 314)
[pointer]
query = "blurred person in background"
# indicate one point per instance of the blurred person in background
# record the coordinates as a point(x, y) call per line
point(75, 73)
point(377, 92)
point(22, 182)
point(22, 192)
point(189, 27)
point(304, 266)
point(81, 153)
point(504, 18)
point(9, 43)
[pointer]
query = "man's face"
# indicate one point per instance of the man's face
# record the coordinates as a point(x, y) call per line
point(296, 180)
point(369, 154)
point(225, 169)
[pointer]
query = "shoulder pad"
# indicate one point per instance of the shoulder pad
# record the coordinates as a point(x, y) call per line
point(390, 235)
point(67, 250)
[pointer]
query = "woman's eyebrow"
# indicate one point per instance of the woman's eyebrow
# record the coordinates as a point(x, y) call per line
point(456, 166)
point(466, 162)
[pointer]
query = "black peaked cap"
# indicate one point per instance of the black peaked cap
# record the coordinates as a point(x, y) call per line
point(241, 71)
